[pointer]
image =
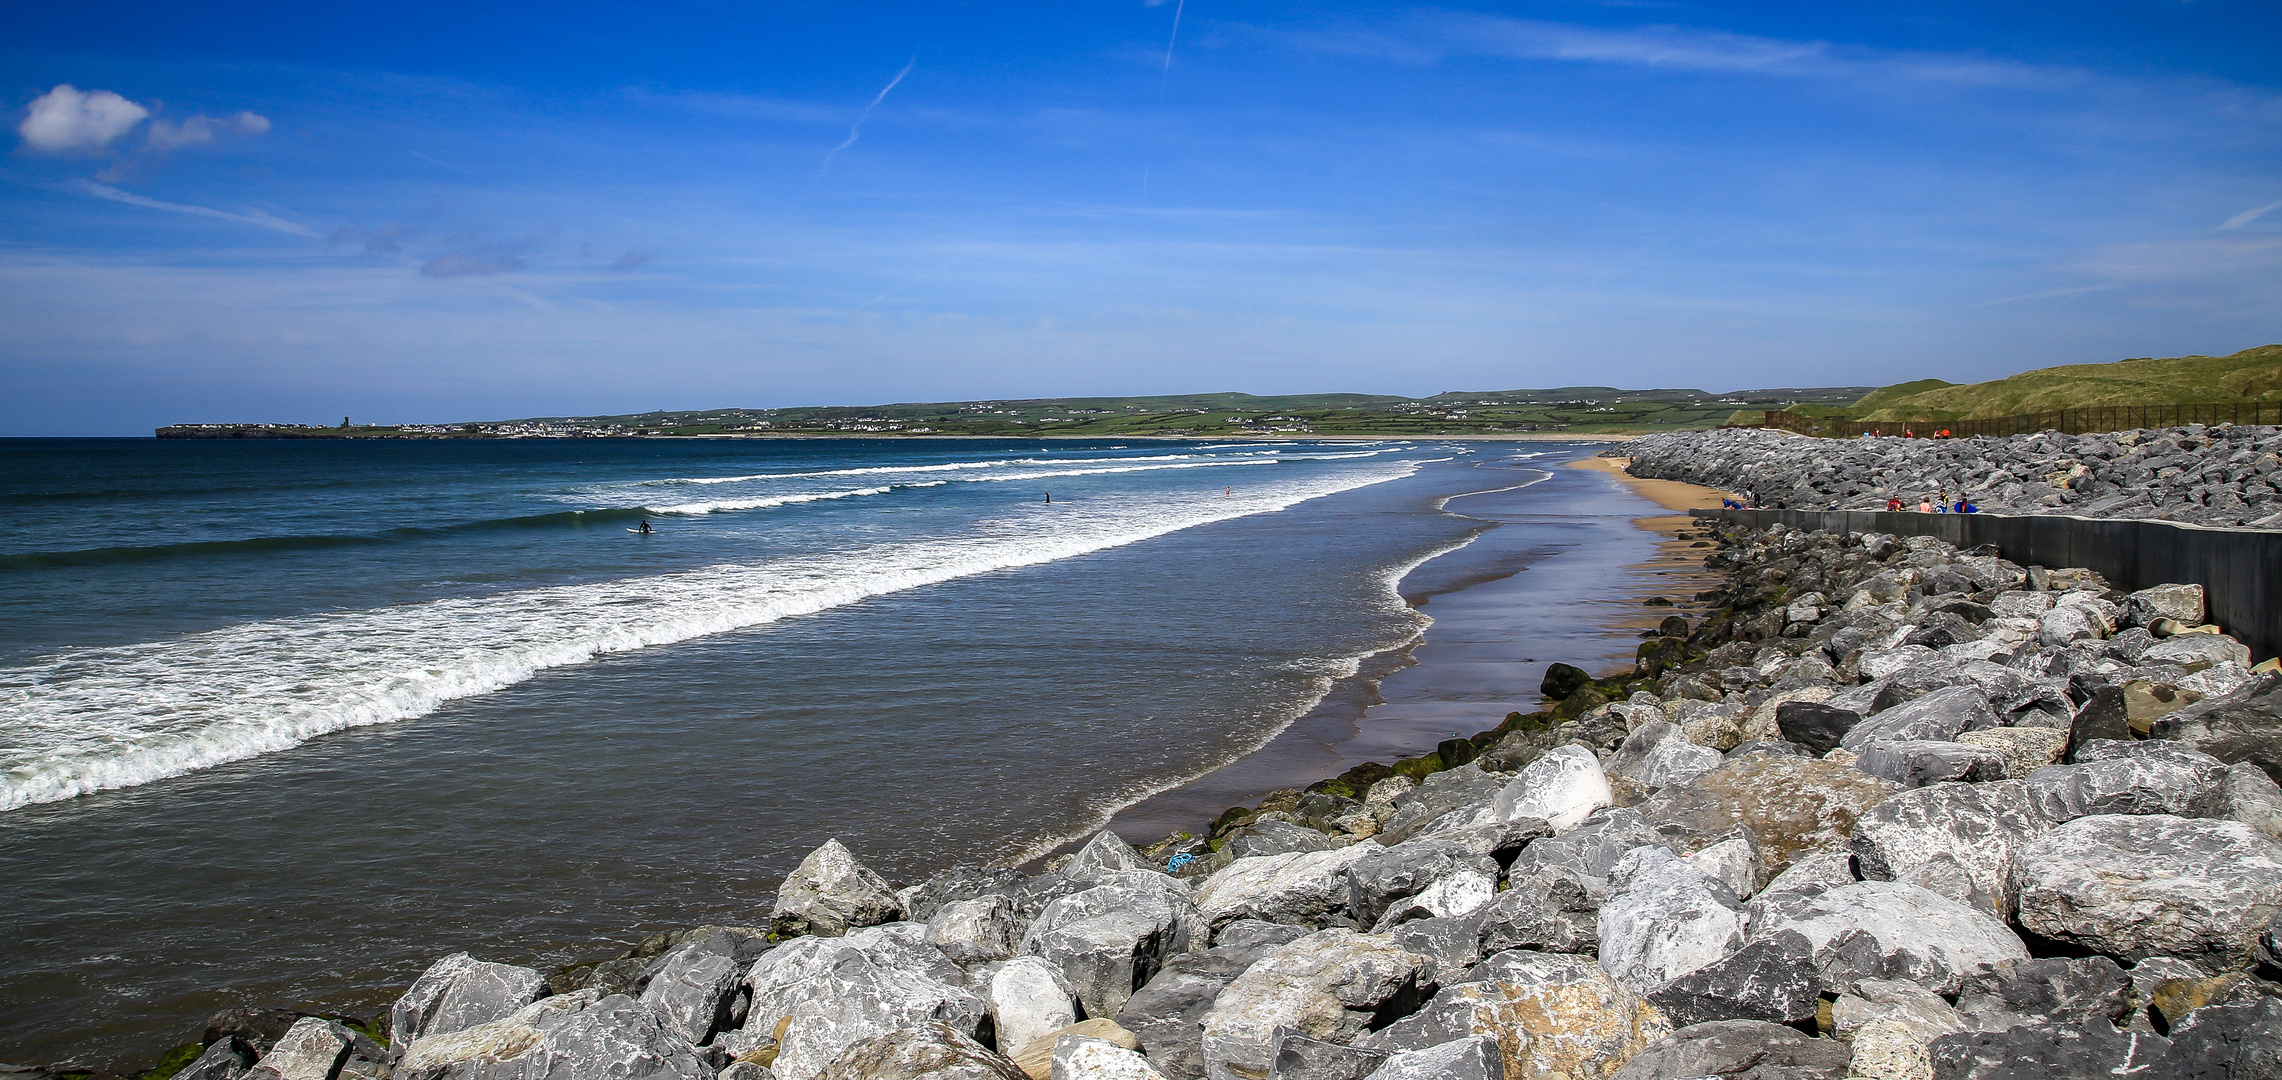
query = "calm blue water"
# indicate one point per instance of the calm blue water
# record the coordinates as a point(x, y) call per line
point(281, 722)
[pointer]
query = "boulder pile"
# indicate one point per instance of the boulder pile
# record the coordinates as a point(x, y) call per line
point(1891, 810)
point(2222, 475)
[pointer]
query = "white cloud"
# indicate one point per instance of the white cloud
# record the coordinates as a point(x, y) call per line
point(164, 136)
point(64, 120)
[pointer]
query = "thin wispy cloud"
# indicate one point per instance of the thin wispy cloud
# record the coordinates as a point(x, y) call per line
point(856, 130)
point(251, 217)
point(1431, 38)
point(2250, 215)
point(166, 136)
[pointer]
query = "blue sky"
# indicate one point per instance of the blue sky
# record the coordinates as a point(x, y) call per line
point(474, 210)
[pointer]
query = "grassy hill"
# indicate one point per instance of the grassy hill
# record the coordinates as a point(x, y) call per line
point(2249, 375)
point(1568, 409)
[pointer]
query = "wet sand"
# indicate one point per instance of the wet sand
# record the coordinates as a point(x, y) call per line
point(1563, 572)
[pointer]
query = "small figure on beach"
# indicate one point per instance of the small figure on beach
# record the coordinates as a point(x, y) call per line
point(1894, 504)
point(1965, 507)
point(1925, 506)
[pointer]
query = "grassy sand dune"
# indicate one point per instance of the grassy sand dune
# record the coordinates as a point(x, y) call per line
point(2250, 375)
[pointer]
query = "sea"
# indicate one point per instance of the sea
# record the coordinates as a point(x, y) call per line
point(281, 722)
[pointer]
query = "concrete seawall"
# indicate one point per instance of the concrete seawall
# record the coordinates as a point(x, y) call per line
point(2240, 569)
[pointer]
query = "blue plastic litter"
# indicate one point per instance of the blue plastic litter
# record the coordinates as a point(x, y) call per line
point(1180, 860)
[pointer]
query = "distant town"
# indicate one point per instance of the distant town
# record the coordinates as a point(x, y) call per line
point(1576, 409)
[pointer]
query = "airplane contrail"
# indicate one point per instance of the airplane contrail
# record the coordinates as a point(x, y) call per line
point(1177, 6)
point(857, 128)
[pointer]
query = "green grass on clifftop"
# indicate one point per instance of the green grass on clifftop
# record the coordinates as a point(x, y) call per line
point(2249, 375)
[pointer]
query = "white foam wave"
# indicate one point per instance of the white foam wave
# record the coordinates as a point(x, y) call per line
point(765, 502)
point(784, 500)
point(99, 719)
point(883, 470)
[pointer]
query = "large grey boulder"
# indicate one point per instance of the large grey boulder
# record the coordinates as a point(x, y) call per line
point(1300, 887)
point(1891, 1025)
point(920, 902)
point(2246, 794)
point(1466, 787)
point(1106, 852)
point(1592, 848)
point(1738, 1050)
point(616, 1038)
point(315, 1048)
point(1918, 762)
point(226, 1058)
point(1473, 1058)
point(1331, 985)
point(1112, 938)
point(1659, 753)
point(2134, 886)
point(1941, 715)
point(1814, 725)
point(830, 893)
point(1975, 827)
point(479, 1052)
point(1276, 838)
point(2179, 603)
point(2094, 1048)
point(1167, 1015)
point(1663, 919)
point(1551, 1016)
point(2122, 777)
point(1772, 979)
point(1299, 1057)
point(1888, 930)
point(1457, 895)
point(1029, 999)
point(976, 931)
point(460, 991)
point(2234, 1041)
point(2243, 725)
point(2046, 992)
point(1563, 787)
point(1451, 943)
point(1794, 806)
point(1379, 879)
point(832, 993)
point(932, 1051)
point(1082, 1057)
point(693, 993)
point(1551, 907)
point(2197, 651)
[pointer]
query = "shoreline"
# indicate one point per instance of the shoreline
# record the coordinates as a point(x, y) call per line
point(1445, 586)
point(1443, 682)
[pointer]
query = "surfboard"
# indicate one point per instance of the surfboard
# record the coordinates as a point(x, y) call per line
point(638, 532)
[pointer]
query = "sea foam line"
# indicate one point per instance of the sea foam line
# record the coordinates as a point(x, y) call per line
point(99, 719)
point(766, 502)
point(880, 470)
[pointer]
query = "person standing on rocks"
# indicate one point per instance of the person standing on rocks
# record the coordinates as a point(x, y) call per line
point(1925, 505)
point(1894, 504)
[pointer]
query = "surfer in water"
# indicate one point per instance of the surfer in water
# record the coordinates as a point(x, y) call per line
point(645, 529)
